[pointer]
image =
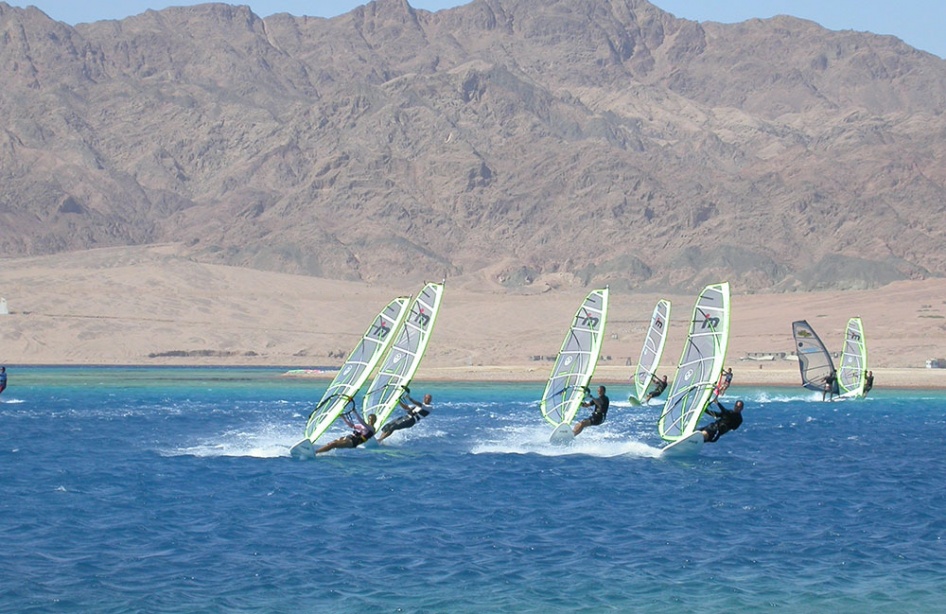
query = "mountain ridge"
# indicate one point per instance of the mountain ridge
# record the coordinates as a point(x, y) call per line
point(525, 142)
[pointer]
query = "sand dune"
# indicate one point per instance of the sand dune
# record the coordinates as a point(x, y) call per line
point(148, 306)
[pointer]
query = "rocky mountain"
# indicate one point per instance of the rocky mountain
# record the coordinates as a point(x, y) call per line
point(526, 143)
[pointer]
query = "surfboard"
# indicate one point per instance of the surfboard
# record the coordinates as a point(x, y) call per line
point(634, 401)
point(688, 446)
point(303, 449)
point(562, 435)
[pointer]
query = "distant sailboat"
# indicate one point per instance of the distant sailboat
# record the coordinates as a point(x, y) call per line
point(568, 382)
point(814, 360)
point(652, 350)
point(704, 354)
point(853, 371)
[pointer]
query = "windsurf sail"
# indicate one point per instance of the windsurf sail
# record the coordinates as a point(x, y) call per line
point(653, 347)
point(813, 358)
point(361, 362)
point(853, 371)
point(700, 364)
point(576, 361)
point(405, 355)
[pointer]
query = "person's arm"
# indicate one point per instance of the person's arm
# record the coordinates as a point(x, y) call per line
point(716, 414)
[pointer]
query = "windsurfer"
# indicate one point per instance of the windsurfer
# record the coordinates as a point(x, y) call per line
point(659, 386)
point(868, 381)
point(598, 414)
point(726, 420)
point(725, 379)
point(415, 411)
point(3, 379)
point(830, 385)
point(361, 431)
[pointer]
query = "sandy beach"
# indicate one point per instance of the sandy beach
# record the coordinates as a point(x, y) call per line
point(150, 306)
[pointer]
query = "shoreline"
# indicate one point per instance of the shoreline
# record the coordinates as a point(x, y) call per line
point(886, 378)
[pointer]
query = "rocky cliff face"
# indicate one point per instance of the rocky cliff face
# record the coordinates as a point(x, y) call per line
point(515, 142)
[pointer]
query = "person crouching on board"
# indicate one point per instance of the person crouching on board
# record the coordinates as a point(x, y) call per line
point(361, 431)
point(726, 420)
point(415, 411)
point(659, 386)
point(598, 414)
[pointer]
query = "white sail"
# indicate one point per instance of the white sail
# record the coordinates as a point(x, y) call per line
point(405, 355)
point(814, 361)
point(704, 354)
point(356, 370)
point(853, 371)
point(576, 361)
point(653, 347)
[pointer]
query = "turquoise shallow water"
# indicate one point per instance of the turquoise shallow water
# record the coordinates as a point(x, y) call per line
point(172, 490)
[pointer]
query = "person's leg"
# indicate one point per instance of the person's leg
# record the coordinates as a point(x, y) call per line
point(581, 426)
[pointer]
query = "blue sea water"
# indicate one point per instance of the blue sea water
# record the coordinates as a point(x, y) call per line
point(172, 490)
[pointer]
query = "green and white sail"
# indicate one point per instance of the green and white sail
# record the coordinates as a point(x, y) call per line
point(576, 361)
point(357, 369)
point(853, 371)
point(814, 361)
point(653, 348)
point(704, 354)
point(405, 355)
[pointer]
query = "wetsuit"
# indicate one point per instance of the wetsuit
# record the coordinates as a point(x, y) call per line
point(727, 420)
point(361, 432)
point(658, 389)
point(600, 412)
point(3, 379)
point(414, 414)
point(868, 384)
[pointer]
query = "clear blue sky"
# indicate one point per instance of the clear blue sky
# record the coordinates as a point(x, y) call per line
point(919, 23)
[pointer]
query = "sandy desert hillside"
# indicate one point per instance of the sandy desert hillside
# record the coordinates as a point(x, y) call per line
point(152, 306)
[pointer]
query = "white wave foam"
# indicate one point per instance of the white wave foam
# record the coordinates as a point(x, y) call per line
point(533, 440)
point(265, 441)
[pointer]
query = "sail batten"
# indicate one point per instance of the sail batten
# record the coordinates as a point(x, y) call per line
point(576, 361)
point(704, 354)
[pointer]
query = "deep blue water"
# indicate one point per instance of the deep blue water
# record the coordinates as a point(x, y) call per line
point(171, 490)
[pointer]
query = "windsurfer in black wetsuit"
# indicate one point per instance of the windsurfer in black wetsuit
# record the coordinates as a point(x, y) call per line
point(726, 420)
point(3, 379)
point(659, 386)
point(598, 414)
point(415, 411)
point(830, 385)
point(361, 431)
point(868, 381)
